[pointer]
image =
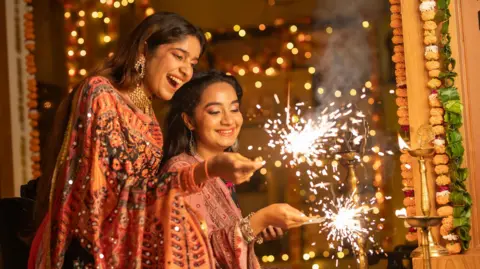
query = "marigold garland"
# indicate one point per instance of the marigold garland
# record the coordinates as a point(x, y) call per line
point(33, 114)
point(402, 112)
point(452, 193)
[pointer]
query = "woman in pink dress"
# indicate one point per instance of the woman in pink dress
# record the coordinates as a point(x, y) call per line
point(204, 121)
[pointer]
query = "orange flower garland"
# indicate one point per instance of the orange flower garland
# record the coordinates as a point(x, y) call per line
point(440, 159)
point(33, 115)
point(402, 112)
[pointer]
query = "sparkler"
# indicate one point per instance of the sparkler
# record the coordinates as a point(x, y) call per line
point(345, 220)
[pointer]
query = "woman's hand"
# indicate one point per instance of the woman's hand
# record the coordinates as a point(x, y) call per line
point(272, 233)
point(282, 216)
point(232, 167)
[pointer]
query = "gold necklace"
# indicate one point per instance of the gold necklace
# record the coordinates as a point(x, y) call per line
point(141, 100)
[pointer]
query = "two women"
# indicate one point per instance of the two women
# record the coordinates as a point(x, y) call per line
point(102, 202)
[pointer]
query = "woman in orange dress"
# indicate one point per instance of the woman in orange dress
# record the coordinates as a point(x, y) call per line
point(205, 121)
point(102, 201)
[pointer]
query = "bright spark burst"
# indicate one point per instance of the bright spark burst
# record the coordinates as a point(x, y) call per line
point(344, 220)
point(308, 139)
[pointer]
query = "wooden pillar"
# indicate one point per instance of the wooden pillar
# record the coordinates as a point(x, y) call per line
point(418, 106)
point(6, 172)
point(465, 32)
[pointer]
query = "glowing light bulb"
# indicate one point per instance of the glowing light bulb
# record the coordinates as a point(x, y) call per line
point(236, 28)
point(293, 28)
point(258, 84)
point(365, 24)
point(107, 39)
point(329, 30)
point(279, 60)
point(245, 58)
point(311, 70)
point(149, 11)
point(242, 33)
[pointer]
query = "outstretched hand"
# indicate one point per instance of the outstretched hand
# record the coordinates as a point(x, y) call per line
point(233, 167)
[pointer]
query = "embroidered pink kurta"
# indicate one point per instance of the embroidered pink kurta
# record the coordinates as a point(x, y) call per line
point(215, 204)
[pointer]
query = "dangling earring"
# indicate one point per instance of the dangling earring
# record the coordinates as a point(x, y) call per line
point(140, 67)
point(234, 147)
point(139, 98)
point(191, 144)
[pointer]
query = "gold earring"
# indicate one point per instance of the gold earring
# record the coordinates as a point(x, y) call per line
point(138, 96)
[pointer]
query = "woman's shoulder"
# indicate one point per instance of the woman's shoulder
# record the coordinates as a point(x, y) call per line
point(179, 161)
point(98, 90)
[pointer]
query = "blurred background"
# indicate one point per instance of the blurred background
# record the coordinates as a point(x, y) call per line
point(311, 51)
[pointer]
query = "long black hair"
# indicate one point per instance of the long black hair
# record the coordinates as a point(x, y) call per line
point(185, 100)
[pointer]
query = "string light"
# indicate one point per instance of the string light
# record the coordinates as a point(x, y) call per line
point(106, 20)
point(116, 4)
point(294, 51)
point(307, 86)
point(329, 30)
point(262, 27)
point(293, 28)
point(353, 92)
point(208, 35)
point(365, 24)
point(256, 70)
point(290, 45)
point(245, 58)
point(149, 11)
point(107, 39)
point(338, 93)
point(236, 28)
point(242, 33)
point(258, 84)
point(241, 72)
point(279, 60)
point(320, 90)
point(270, 71)
point(368, 84)
point(67, 15)
point(285, 257)
point(311, 70)
point(308, 55)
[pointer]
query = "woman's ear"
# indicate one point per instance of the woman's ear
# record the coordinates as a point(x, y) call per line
point(188, 121)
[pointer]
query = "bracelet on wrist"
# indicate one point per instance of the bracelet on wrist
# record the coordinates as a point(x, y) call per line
point(247, 230)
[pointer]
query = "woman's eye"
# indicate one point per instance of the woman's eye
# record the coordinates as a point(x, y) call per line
point(235, 110)
point(213, 112)
point(178, 56)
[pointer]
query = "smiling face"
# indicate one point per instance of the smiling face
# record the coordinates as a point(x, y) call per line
point(170, 66)
point(217, 118)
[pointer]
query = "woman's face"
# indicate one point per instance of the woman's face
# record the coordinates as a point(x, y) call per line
point(217, 118)
point(170, 66)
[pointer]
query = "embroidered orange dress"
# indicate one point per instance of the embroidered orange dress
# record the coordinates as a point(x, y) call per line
point(215, 204)
point(111, 207)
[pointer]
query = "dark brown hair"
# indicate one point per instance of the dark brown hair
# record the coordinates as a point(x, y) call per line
point(157, 29)
point(185, 100)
